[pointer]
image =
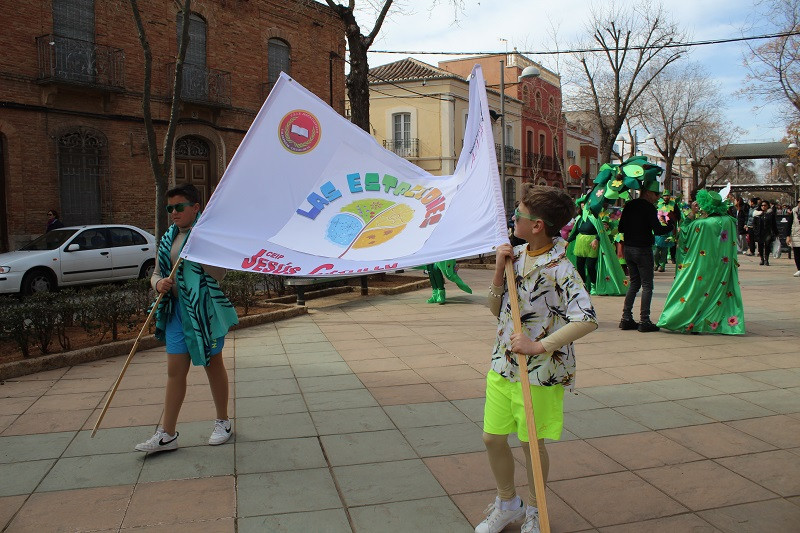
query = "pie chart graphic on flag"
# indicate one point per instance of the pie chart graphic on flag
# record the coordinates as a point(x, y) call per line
point(368, 222)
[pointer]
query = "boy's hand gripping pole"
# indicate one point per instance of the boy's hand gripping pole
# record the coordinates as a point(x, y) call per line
point(530, 421)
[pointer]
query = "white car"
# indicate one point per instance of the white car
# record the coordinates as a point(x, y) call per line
point(78, 255)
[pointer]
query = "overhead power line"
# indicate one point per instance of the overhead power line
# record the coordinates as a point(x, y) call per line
point(588, 50)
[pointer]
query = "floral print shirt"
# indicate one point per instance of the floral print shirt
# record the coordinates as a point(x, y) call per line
point(550, 296)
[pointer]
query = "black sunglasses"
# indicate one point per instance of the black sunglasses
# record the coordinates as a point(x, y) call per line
point(178, 207)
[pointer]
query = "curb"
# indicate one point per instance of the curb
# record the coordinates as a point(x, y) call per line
point(54, 361)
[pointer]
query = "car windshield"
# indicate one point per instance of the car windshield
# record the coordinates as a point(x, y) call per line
point(50, 240)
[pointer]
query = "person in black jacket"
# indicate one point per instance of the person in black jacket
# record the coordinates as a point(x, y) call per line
point(742, 211)
point(52, 221)
point(765, 228)
point(638, 223)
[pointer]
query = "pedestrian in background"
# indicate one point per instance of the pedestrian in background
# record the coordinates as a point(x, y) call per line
point(53, 221)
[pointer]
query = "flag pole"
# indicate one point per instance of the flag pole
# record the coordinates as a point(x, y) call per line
point(530, 421)
point(133, 351)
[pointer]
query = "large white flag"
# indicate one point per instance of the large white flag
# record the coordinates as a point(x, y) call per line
point(310, 194)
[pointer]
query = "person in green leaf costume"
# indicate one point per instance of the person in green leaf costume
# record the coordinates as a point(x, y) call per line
point(436, 273)
point(612, 182)
point(705, 297)
point(594, 255)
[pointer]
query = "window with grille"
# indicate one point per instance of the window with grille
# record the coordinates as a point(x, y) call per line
point(278, 60)
point(195, 75)
point(511, 196)
point(401, 134)
point(82, 162)
point(73, 40)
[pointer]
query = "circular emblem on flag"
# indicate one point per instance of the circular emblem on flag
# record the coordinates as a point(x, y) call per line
point(299, 131)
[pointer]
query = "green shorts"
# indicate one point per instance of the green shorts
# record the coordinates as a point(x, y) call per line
point(504, 412)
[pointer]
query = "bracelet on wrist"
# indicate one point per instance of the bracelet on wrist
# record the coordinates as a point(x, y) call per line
point(492, 293)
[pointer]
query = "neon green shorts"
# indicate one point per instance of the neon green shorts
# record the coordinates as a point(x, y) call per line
point(504, 412)
point(583, 246)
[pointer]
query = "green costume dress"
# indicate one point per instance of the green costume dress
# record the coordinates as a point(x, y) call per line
point(705, 296)
point(610, 276)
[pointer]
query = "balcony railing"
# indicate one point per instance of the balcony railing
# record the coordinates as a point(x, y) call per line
point(542, 162)
point(203, 85)
point(512, 154)
point(73, 61)
point(403, 147)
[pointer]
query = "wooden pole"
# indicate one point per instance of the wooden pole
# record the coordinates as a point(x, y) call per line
point(133, 351)
point(530, 421)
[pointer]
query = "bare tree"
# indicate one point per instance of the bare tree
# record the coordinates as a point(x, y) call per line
point(703, 142)
point(161, 168)
point(358, 45)
point(637, 44)
point(774, 67)
point(677, 99)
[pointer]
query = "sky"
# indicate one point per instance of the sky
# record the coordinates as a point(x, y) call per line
point(528, 25)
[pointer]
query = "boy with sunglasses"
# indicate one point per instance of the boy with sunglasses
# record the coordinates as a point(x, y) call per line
point(192, 318)
point(556, 311)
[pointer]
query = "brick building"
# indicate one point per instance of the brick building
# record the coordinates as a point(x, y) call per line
point(72, 137)
point(542, 123)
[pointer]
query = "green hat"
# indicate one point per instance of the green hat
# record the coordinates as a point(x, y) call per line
point(711, 202)
point(654, 186)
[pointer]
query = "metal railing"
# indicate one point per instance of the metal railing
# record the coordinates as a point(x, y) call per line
point(74, 61)
point(203, 85)
point(512, 154)
point(403, 147)
point(542, 162)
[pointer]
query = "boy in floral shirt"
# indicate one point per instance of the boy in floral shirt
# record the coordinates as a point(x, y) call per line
point(556, 310)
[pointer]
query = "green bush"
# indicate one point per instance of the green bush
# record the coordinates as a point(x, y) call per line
point(15, 324)
point(242, 288)
point(45, 318)
point(114, 308)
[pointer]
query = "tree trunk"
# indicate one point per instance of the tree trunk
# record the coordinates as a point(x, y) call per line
point(161, 169)
point(358, 81)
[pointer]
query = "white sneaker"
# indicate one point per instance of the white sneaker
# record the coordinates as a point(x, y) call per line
point(222, 432)
point(797, 274)
point(501, 513)
point(160, 442)
point(531, 523)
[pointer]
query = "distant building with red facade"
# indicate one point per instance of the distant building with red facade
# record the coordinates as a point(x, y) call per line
point(542, 122)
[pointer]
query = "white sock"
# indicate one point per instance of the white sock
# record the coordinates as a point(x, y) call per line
point(510, 505)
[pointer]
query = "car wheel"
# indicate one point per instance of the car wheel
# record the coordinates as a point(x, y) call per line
point(147, 269)
point(38, 280)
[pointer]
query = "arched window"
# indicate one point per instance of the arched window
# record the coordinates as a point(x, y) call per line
point(196, 51)
point(82, 164)
point(551, 105)
point(278, 60)
point(193, 165)
point(195, 75)
point(511, 196)
point(537, 101)
point(526, 95)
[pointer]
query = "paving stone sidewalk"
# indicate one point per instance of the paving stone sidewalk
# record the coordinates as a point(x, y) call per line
point(365, 415)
